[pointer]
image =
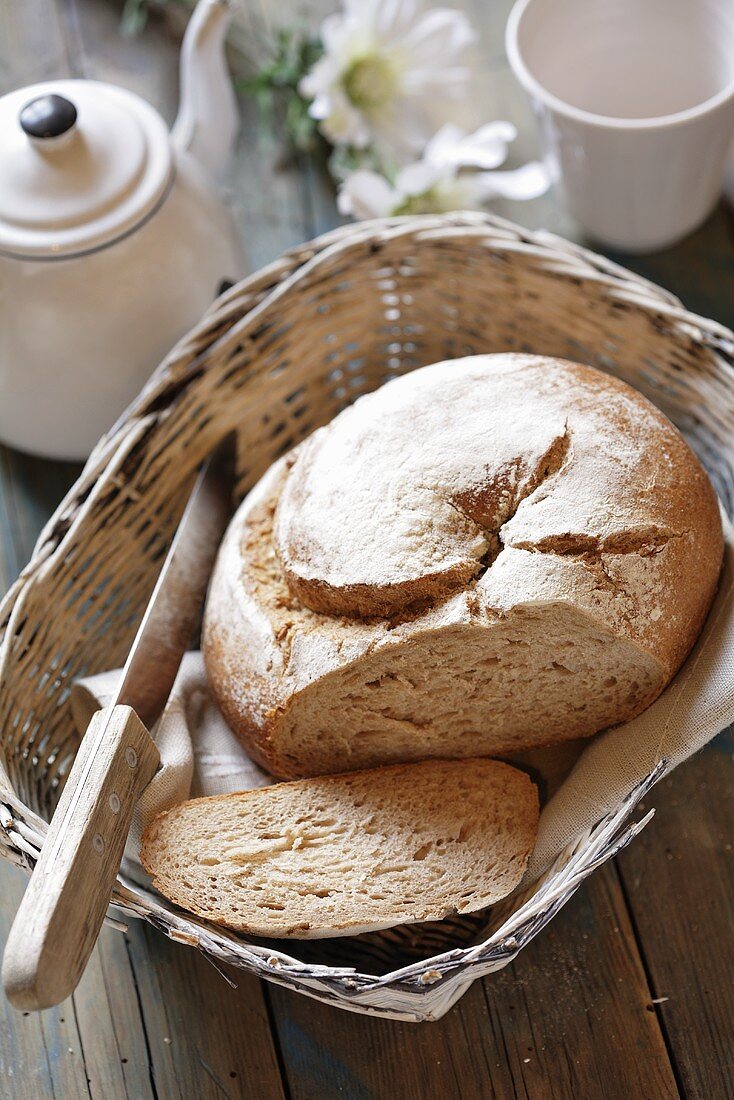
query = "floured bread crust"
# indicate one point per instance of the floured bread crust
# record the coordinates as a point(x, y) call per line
point(484, 555)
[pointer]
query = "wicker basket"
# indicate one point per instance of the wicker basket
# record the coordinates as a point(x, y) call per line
point(277, 356)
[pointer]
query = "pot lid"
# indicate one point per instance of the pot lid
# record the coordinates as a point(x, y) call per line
point(82, 164)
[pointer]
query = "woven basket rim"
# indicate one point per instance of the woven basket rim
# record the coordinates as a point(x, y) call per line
point(23, 831)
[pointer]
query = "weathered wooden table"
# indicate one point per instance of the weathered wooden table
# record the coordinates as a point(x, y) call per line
point(628, 994)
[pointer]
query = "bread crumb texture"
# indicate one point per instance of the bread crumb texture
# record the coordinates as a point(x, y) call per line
point(345, 854)
point(484, 555)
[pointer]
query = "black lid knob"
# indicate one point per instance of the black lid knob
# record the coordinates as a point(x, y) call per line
point(48, 116)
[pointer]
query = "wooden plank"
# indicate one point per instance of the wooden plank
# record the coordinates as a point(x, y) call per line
point(678, 875)
point(267, 195)
point(279, 215)
point(110, 1023)
point(568, 1019)
point(700, 270)
point(97, 1035)
point(672, 886)
point(94, 1044)
point(41, 1054)
point(123, 1027)
point(146, 64)
point(572, 1012)
point(680, 887)
point(107, 1023)
point(205, 1040)
point(104, 1032)
point(33, 43)
point(52, 1053)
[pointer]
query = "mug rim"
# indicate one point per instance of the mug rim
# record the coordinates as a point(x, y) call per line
point(591, 118)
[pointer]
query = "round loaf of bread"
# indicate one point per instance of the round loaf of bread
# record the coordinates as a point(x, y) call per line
point(485, 555)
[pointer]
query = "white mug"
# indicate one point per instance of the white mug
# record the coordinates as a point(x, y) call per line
point(635, 102)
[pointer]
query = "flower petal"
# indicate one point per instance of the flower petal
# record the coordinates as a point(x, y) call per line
point(444, 145)
point(318, 79)
point(529, 182)
point(417, 178)
point(333, 30)
point(485, 148)
point(367, 194)
point(439, 37)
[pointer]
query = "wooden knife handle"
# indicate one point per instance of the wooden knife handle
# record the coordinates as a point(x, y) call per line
point(65, 902)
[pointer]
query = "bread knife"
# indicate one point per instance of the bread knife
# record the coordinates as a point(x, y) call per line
point(65, 902)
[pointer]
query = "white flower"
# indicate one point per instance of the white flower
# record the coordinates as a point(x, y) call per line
point(387, 64)
point(436, 183)
point(485, 148)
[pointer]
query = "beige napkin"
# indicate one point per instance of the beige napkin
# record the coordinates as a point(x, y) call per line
point(200, 755)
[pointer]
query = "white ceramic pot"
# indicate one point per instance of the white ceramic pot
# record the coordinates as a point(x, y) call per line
point(113, 241)
point(635, 104)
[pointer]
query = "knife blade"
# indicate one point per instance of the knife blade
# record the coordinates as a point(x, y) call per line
point(175, 605)
point(64, 905)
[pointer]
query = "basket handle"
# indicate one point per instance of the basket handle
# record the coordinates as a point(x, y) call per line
point(65, 902)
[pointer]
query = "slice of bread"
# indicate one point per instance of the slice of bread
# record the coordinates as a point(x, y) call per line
point(344, 854)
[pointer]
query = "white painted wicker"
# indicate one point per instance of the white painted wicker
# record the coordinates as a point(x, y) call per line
point(277, 356)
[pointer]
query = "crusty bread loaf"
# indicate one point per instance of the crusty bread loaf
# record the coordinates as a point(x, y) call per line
point(344, 854)
point(483, 556)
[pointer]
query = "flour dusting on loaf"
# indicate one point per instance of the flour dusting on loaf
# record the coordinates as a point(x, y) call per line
point(484, 555)
point(402, 497)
